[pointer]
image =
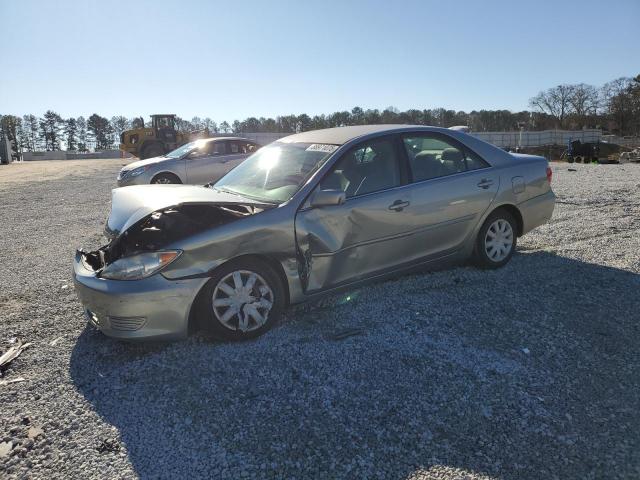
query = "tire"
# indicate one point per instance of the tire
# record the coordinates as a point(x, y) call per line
point(483, 253)
point(165, 178)
point(218, 310)
point(570, 159)
point(153, 150)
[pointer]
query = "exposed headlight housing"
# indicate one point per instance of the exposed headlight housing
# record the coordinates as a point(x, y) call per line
point(139, 266)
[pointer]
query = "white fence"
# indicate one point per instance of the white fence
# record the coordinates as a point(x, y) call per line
point(499, 139)
point(631, 142)
point(71, 155)
point(538, 139)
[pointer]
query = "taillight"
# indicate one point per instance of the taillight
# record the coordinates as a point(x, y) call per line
point(549, 174)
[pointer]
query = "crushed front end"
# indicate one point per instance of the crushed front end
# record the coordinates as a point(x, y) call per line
point(133, 302)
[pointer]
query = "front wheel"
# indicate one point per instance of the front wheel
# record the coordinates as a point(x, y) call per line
point(165, 178)
point(242, 300)
point(496, 240)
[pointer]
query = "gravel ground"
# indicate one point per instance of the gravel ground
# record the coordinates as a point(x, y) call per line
point(531, 371)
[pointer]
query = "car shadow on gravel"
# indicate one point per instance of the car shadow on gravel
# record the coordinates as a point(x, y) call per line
point(492, 373)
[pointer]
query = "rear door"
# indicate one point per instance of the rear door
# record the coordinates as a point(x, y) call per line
point(451, 187)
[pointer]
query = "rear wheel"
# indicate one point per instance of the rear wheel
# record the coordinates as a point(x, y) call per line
point(165, 178)
point(242, 300)
point(496, 240)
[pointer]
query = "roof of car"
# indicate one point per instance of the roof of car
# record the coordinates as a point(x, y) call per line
point(229, 138)
point(341, 135)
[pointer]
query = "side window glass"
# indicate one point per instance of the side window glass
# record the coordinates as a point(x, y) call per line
point(234, 148)
point(217, 148)
point(433, 157)
point(474, 162)
point(367, 168)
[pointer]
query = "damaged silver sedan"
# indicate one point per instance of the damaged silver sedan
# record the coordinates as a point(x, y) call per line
point(307, 215)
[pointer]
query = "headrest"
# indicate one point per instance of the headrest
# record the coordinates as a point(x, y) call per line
point(452, 155)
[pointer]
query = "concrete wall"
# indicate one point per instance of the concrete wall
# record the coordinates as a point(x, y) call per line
point(538, 139)
point(64, 155)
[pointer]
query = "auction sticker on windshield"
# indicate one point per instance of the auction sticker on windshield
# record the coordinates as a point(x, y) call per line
point(322, 147)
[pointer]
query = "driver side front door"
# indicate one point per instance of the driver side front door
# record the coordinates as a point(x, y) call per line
point(339, 244)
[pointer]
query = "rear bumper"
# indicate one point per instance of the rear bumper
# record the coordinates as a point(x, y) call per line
point(153, 308)
point(537, 211)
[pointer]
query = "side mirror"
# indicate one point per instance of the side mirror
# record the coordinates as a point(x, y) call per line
point(327, 198)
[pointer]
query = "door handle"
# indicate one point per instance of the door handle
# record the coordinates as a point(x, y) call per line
point(485, 183)
point(398, 205)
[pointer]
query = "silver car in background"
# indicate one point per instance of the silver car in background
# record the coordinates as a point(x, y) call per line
point(307, 215)
point(198, 162)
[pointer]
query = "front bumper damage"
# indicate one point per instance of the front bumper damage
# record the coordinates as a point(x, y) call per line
point(143, 220)
point(152, 308)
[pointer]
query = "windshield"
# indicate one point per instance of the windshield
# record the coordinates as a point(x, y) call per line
point(276, 172)
point(186, 148)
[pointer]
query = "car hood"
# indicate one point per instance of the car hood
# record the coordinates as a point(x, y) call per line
point(142, 163)
point(131, 204)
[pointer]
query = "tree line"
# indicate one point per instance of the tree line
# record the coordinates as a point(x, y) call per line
point(614, 107)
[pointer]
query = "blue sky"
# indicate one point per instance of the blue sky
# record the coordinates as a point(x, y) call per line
point(229, 60)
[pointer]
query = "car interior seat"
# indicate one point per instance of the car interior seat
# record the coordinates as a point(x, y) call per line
point(453, 160)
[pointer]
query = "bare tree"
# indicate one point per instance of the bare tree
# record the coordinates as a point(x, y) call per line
point(225, 127)
point(618, 102)
point(584, 99)
point(197, 124)
point(118, 125)
point(555, 101)
point(210, 124)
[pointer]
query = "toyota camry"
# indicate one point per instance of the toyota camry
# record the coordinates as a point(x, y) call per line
point(305, 216)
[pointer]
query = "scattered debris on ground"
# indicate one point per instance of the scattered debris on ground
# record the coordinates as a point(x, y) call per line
point(12, 380)
point(11, 354)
